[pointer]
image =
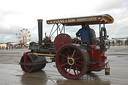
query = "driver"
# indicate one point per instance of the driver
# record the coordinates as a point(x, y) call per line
point(87, 36)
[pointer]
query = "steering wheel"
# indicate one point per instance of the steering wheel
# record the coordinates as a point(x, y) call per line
point(103, 38)
point(76, 40)
point(103, 35)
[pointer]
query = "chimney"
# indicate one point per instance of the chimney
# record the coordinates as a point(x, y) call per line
point(40, 31)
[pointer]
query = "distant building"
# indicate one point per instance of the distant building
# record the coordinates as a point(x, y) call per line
point(7, 45)
point(3, 45)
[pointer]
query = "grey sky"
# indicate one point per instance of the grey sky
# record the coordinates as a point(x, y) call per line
point(18, 14)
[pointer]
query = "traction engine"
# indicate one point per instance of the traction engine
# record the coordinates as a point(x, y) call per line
point(71, 58)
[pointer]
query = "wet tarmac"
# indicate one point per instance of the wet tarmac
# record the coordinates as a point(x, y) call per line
point(11, 73)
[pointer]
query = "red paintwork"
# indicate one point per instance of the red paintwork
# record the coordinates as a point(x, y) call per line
point(92, 46)
point(25, 60)
point(25, 56)
point(49, 38)
point(61, 40)
point(98, 56)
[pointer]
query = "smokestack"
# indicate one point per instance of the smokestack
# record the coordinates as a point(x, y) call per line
point(40, 30)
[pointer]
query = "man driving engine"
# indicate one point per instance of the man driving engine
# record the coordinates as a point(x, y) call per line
point(87, 36)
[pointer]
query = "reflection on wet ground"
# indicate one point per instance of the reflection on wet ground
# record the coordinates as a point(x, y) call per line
point(11, 73)
point(43, 79)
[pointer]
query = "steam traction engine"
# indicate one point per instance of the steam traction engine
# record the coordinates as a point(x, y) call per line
point(72, 59)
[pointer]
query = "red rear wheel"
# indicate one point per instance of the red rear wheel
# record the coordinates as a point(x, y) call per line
point(72, 61)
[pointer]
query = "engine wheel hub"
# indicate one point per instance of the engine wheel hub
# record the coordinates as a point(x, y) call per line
point(70, 61)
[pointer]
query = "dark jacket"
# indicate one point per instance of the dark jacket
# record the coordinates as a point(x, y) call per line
point(84, 32)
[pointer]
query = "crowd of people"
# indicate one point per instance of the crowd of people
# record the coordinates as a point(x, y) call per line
point(119, 42)
point(8, 46)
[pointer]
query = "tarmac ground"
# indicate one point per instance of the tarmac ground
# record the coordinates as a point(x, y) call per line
point(12, 74)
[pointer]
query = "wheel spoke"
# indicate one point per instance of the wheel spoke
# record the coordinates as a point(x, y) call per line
point(67, 67)
point(73, 53)
point(77, 71)
point(63, 64)
point(69, 70)
point(77, 52)
point(64, 60)
point(67, 54)
point(69, 50)
point(78, 58)
point(63, 55)
point(74, 70)
point(78, 65)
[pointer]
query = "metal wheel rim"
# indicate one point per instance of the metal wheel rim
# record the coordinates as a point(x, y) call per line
point(71, 71)
point(26, 68)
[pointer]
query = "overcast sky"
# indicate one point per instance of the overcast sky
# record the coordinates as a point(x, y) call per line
point(18, 14)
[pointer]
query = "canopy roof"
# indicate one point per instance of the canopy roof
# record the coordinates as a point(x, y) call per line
point(107, 19)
